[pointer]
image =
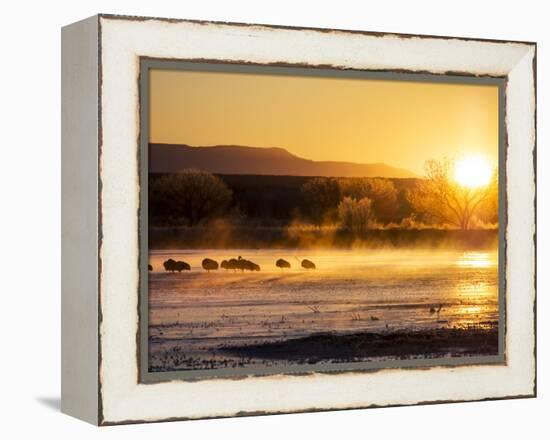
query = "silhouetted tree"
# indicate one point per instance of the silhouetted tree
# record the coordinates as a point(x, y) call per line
point(383, 194)
point(193, 195)
point(488, 208)
point(321, 195)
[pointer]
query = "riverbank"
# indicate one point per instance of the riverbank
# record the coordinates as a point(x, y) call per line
point(225, 236)
point(430, 343)
point(334, 348)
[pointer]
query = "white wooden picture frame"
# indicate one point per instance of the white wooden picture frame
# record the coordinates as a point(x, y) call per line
point(101, 59)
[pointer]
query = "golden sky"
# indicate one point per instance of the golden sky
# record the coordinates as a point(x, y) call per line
point(399, 123)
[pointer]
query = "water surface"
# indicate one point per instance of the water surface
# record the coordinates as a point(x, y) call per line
point(196, 312)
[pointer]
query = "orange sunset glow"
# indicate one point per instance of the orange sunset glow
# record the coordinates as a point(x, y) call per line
point(400, 123)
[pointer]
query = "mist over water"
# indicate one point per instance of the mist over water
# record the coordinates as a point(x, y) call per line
point(350, 291)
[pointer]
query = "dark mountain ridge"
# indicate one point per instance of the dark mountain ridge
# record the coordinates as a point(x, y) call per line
point(236, 159)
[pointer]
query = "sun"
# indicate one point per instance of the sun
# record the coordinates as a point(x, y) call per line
point(473, 171)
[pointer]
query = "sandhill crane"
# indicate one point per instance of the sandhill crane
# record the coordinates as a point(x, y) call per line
point(434, 310)
point(307, 264)
point(169, 265)
point(172, 265)
point(243, 264)
point(182, 265)
point(231, 264)
point(253, 267)
point(209, 264)
point(283, 264)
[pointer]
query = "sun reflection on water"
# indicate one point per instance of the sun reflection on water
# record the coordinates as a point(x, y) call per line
point(476, 260)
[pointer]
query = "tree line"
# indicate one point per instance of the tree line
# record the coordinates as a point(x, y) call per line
point(352, 204)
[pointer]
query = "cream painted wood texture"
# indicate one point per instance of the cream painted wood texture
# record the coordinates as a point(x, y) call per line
point(79, 217)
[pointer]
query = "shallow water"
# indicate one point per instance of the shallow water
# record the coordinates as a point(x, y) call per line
point(349, 291)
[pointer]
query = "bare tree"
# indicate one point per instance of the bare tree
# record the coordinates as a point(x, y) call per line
point(193, 195)
point(488, 209)
point(440, 197)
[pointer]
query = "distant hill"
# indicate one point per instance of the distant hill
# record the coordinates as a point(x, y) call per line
point(235, 159)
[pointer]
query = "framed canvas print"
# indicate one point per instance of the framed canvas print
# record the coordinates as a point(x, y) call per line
point(264, 219)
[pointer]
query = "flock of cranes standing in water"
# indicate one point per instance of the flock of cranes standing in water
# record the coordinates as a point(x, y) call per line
point(235, 264)
point(242, 264)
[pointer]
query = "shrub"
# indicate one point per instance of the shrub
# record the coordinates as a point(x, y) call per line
point(355, 215)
